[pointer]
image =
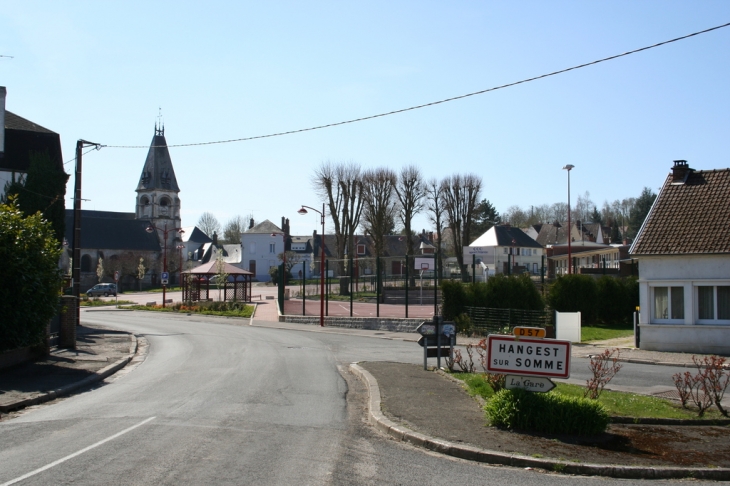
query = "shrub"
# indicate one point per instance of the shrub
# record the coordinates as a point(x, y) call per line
point(31, 278)
point(616, 299)
point(574, 293)
point(453, 299)
point(500, 292)
point(548, 413)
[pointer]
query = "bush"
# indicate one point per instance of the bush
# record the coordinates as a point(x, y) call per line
point(574, 293)
point(549, 413)
point(500, 292)
point(31, 279)
point(453, 295)
point(617, 299)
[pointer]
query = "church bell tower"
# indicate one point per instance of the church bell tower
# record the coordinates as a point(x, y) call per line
point(157, 192)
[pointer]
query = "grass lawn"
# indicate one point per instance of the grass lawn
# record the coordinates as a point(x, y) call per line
point(598, 332)
point(616, 403)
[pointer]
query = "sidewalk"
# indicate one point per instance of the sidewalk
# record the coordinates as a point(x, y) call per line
point(98, 354)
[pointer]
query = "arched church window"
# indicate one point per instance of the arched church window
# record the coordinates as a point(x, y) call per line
point(86, 263)
point(164, 205)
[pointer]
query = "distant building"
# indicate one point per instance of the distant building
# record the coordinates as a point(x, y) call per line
point(19, 138)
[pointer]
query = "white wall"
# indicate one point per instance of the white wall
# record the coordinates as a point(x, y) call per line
point(685, 271)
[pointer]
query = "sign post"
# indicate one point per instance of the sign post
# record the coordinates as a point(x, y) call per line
point(435, 338)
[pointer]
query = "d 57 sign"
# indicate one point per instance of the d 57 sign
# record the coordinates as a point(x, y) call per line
point(528, 357)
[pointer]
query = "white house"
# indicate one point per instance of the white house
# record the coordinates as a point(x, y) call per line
point(683, 249)
point(504, 246)
point(260, 247)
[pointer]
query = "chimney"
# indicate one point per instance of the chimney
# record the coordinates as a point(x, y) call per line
point(250, 224)
point(680, 171)
point(3, 92)
point(215, 238)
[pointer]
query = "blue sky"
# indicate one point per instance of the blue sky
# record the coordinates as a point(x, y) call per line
point(100, 71)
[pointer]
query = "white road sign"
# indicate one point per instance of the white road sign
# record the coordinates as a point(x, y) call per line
point(530, 383)
point(528, 357)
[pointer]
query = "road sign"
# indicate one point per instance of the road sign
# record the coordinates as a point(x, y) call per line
point(530, 383)
point(116, 276)
point(528, 357)
point(432, 341)
point(533, 332)
point(164, 278)
point(448, 329)
point(426, 329)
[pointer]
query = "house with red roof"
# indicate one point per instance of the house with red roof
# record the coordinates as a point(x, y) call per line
point(683, 249)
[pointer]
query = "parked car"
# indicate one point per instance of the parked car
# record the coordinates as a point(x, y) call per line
point(105, 289)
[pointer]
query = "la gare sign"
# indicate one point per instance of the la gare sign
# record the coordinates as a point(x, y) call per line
point(528, 357)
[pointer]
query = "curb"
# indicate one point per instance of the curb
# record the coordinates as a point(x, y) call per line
point(385, 425)
point(66, 390)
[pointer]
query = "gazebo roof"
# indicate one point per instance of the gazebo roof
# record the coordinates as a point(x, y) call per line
point(211, 269)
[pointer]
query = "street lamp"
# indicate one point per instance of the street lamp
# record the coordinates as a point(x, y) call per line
point(150, 229)
point(569, 167)
point(180, 264)
point(321, 263)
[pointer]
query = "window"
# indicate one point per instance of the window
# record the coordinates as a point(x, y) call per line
point(713, 303)
point(252, 248)
point(505, 250)
point(272, 247)
point(668, 303)
point(360, 249)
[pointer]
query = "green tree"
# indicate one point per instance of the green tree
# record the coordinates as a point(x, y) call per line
point(485, 216)
point(29, 252)
point(640, 211)
point(596, 216)
point(44, 190)
point(220, 271)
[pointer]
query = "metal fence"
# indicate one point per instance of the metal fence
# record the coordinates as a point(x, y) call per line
point(488, 320)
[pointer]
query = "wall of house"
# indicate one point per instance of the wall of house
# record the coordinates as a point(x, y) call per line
point(682, 335)
point(680, 338)
point(257, 247)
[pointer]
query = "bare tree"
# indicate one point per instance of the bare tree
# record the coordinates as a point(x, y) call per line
point(461, 194)
point(341, 186)
point(559, 211)
point(233, 229)
point(410, 191)
point(583, 207)
point(515, 216)
point(208, 224)
point(379, 207)
point(434, 201)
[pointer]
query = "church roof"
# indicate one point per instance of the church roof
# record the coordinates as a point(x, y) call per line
point(158, 172)
point(112, 231)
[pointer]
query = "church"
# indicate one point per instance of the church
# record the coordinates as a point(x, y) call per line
point(139, 245)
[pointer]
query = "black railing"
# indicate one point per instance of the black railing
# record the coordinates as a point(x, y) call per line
point(487, 320)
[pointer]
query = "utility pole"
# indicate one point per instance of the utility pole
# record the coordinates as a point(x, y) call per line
point(76, 270)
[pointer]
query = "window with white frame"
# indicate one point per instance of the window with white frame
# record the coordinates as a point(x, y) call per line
point(272, 247)
point(668, 303)
point(252, 248)
point(713, 304)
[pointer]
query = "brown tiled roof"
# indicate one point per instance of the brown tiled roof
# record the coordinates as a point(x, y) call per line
point(689, 218)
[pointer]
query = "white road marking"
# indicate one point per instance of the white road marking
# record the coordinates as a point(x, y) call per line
point(77, 453)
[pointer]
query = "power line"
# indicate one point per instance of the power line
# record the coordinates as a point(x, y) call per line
point(433, 103)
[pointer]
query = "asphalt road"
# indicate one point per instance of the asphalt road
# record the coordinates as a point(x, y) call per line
point(216, 403)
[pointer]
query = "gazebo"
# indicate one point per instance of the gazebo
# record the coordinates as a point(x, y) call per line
point(197, 285)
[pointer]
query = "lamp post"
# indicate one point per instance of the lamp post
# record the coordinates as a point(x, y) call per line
point(150, 229)
point(180, 264)
point(321, 263)
point(569, 167)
